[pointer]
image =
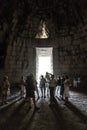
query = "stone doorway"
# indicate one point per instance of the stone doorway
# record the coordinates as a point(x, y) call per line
point(44, 61)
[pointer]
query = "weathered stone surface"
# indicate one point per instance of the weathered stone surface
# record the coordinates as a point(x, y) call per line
point(56, 117)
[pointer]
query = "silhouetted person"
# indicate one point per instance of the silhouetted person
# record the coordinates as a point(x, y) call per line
point(58, 84)
point(52, 86)
point(5, 87)
point(30, 88)
point(36, 89)
point(47, 77)
point(67, 85)
point(42, 86)
point(62, 86)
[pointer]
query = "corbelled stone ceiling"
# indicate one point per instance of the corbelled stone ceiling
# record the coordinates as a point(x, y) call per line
point(65, 17)
point(21, 18)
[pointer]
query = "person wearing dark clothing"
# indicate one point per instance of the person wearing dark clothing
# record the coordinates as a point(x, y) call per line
point(30, 88)
point(36, 89)
point(59, 81)
point(47, 77)
point(58, 85)
point(62, 87)
point(43, 85)
point(52, 86)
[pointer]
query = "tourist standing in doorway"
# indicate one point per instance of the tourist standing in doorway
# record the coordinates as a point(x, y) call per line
point(43, 86)
point(47, 77)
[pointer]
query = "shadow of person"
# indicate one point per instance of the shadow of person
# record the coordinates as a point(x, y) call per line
point(77, 111)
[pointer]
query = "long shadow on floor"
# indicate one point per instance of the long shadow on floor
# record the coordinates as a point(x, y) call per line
point(73, 108)
point(59, 116)
point(27, 121)
point(15, 119)
point(77, 111)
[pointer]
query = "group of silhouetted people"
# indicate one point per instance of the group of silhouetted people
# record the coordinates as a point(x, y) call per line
point(64, 84)
point(29, 86)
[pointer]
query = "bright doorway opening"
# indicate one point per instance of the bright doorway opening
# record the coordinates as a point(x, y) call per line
point(44, 61)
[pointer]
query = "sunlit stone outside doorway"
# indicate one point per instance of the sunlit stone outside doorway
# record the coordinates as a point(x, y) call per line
point(44, 61)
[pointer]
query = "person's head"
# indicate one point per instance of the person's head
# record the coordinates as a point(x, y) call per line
point(22, 77)
point(59, 77)
point(28, 77)
point(63, 77)
point(5, 78)
point(66, 77)
point(52, 76)
point(41, 76)
point(46, 73)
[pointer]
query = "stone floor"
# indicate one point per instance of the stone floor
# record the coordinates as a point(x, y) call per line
point(75, 112)
point(72, 116)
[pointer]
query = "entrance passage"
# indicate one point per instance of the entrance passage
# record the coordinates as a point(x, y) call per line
point(44, 65)
point(44, 61)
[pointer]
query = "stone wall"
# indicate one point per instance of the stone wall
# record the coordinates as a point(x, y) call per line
point(20, 60)
point(69, 57)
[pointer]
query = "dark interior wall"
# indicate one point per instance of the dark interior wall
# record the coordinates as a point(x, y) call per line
point(20, 60)
point(69, 57)
point(3, 43)
point(66, 24)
